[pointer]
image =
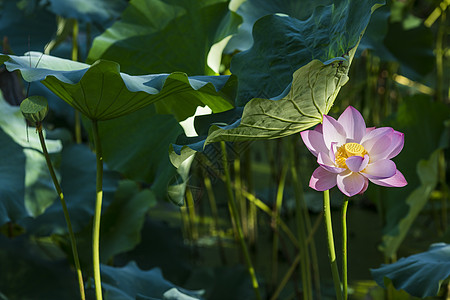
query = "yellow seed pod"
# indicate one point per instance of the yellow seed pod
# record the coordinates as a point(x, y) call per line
point(34, 109)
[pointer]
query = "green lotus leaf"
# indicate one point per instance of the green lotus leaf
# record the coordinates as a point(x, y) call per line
point(166, 36)
point(420, 275)
point(283, 44)
point(25, 26)
point(130, 282)
point(26, 189)
point(90, 11)
point(311, 95)
point(101, 92)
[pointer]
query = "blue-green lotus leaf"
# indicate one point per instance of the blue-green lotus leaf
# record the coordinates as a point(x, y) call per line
point(421, 275)
point(89, 11)
point(101, 92)
point(25, 28)
point(130, 282)
point(283, 44)
point(156, 36)
point(26, 188)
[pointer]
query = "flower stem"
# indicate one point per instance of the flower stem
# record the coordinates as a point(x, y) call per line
point(344, 247)
point(65, 210)
point(331, 251)
point(98, 212)
point(235, 216)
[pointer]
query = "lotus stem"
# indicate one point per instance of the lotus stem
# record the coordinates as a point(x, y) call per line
point(65, 210)
point(98, 212)
point(330, 240)
point(344, 248)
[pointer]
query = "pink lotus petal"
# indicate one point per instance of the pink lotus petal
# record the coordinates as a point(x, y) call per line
point(398, 180)
point(353, 124)
point(333, 132)
point(350, 183)
point(314, 141)
point(332, 151)
point(377, 142)
point(357, 163)
point(398, 140)
point(322, 180)
point(318, 128)
point(369, 129)
point(326, 163)
point(366, 185)
point(380, 169)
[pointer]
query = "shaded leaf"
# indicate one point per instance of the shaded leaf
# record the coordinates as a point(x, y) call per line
point(144, 137)
point(428, 172)
point(422, 122)
point(284, 44)
point(26, 28)
point(78, 173)
point(252, 10)
point(166, 36)
point(122, 221)
point(421, 275)
point(28, 272)
point(89, 11)
point(26, 189)
point(101, 92)
point(129, 282)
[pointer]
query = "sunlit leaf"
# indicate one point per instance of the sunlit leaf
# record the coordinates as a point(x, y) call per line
point(421, 275)
point(166, 36)
point(311, 95)
point(101, 92)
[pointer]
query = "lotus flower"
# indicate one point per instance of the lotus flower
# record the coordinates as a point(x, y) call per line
point(350, 155)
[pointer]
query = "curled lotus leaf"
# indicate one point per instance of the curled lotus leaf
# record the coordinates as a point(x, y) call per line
point(101, 92)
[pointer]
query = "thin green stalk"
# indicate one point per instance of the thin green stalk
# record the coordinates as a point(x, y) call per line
point(215, 214)
point(330, 240)
point(344, 247)
point(98, 212)
point(235, 216)
point(440, 46)
point(75, 31)
point(66, 212)
point(289, 273)
point(275, 217)
point(192, 215)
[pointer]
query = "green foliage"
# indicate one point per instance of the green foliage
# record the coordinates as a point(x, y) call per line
point(422, 121)
point(34, 269)
point(314, 88)
point(284, 44)
point(421, 275)
point(130, 282)
point(100, 91)
point(122, 221)
point(91, 11)
point(26, 188)
point(166, 36)
point(25, 26)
